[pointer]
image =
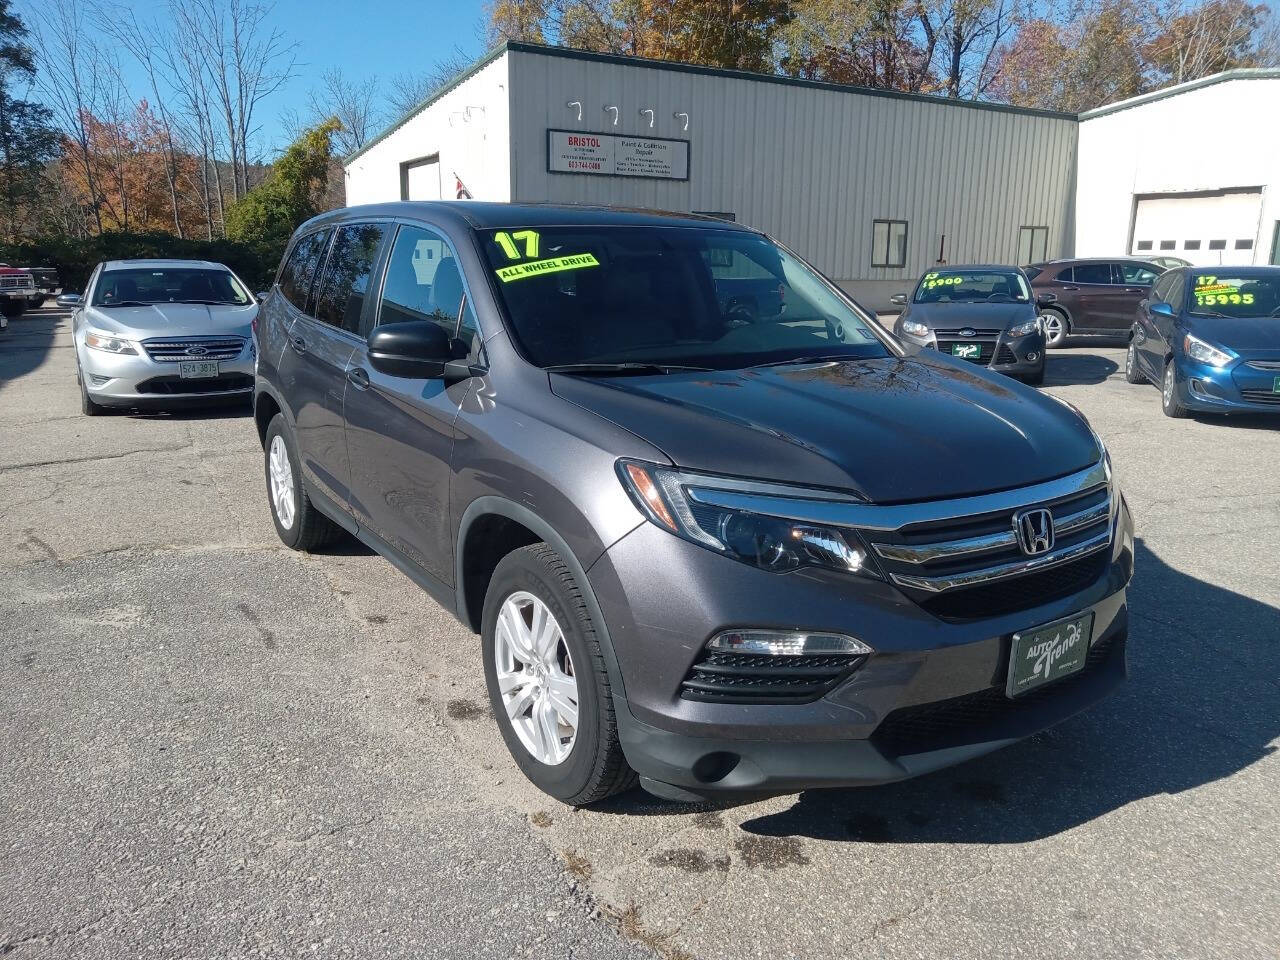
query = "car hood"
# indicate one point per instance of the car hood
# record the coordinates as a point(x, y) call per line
point(1238, 333)
point(949, 316)
point(891, 429)
point(172, 320)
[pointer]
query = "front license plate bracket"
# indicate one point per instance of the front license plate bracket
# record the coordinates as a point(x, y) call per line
point(1047, 653)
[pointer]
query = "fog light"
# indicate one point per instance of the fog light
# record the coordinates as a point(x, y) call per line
point(1032, 356)
point(785, 643)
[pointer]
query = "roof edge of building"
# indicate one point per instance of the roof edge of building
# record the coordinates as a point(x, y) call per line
point(1239, 73)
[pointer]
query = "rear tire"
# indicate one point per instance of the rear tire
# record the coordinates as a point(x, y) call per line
point(1132, 372)
point(1171, 402)
point(594, 767)
point(299, 524)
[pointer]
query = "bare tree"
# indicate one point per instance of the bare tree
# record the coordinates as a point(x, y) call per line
point(121, 24)
point(409, 90)
point(245, 61)
point(353, 102)
point(71, 82)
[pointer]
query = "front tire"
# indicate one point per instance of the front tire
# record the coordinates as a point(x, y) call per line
point(13, 308)
point(299, 525)
point(87, 405)
point(1171, 402)
point(1132, 372)
point(547, 681)
point(1056, 329)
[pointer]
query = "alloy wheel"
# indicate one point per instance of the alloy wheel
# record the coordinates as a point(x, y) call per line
point(1054, 328)
point(1168, 385)
point(1128, 360)
point(536, 678)
point(282, 497)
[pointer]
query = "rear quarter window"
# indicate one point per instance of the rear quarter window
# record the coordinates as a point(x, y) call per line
point(300, 269)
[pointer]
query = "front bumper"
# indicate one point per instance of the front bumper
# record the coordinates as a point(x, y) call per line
point(114, 380)
point(1015, 357)
point(931, 695)
point(1236, 388)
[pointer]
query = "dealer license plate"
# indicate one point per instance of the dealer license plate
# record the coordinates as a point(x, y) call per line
point(1044, 654)
point(969, 351)
point(197, 369)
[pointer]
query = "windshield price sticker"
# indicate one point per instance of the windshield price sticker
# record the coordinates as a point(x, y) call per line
point(1223, 299)
point(511, 243)
point(534, 268)
point(932, 280)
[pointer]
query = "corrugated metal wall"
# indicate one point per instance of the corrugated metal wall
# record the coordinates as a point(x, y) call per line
point(814, 167)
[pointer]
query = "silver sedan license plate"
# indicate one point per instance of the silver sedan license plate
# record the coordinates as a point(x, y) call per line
point(197, 369)
point(1044, 654)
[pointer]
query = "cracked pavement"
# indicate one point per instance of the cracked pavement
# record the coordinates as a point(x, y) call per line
point(213, 746)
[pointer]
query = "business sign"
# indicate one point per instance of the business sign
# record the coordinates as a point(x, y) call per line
point(614, 155)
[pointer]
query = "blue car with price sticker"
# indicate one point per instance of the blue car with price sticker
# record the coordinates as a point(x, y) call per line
point(1210, 338)
point(985, 315)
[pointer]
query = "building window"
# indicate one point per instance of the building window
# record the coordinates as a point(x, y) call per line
point(888, 243)
point(1244, 244)
point(1168, 244)
point(1191, 245)
point(1144, 244)
point(1033, 244)
point(1217, 244)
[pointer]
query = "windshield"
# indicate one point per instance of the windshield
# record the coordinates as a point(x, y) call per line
point(132, 287)
point(972, 286)
point(671, 296)
point(1235, 296)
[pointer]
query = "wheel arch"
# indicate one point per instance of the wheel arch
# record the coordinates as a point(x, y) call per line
point(517, 526)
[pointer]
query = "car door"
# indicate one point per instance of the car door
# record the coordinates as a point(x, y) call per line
point(400, 430)
point(1135, 281)
point(1166, 330)
point(1147, 338)
point(312, 369)
point(1094, 293)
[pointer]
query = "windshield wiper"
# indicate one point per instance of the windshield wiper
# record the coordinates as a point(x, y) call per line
point(798, 360)
point(126, 303)
point(212, 303)
point(629, 367)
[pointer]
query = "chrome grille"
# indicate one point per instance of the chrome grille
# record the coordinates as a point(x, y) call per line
point(1261, 396)
point(173, 350)
point(17, 281)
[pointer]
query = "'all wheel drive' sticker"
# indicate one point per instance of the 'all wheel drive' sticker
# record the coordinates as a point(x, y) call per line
point(519, 271)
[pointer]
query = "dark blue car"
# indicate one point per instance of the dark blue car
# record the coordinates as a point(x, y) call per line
point(1210, 337)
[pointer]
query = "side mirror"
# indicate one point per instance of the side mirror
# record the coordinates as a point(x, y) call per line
point(417, 349)
point(1044, 299)
point(898, 300)
point(1161, 310)
point(262, 295)
point(68, 300)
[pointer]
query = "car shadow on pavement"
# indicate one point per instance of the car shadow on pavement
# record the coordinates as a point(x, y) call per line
point(26, 343)
point(1199, 706)
point(214, 411)
point(1061, 369)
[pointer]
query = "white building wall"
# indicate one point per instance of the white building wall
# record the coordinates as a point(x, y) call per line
point(467, 127)
point(1211, 136)
point(813, 166)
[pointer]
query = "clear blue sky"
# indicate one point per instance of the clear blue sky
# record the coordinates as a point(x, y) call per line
point(363, 37)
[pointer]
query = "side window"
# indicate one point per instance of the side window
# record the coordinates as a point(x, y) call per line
point(423, 281)
point(1176, 291)
point(1160, 292)
point(342, 290)
point(301, 268)
point(1092, 273)
point(1137, 275)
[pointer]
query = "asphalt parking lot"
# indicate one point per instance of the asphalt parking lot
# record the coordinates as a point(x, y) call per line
point(212, 746)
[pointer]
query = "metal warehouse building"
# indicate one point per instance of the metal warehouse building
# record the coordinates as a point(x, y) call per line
point(872, 186)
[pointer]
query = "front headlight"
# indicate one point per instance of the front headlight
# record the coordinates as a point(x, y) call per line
point(1025, 329)
point(669, 498)
point(915, 328)
point(1197, 349)
point(107, 343)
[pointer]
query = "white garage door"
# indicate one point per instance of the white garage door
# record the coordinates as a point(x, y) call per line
point(1209, 230)
point(422, 179)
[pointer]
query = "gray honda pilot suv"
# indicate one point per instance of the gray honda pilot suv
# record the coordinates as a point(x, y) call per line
point(716, 528)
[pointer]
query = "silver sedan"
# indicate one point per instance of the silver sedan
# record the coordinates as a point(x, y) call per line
point(160, 333)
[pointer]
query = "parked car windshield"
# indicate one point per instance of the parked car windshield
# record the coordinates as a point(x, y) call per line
point(144, 285)
point(680, 296)
point(972, 286)
point(1235, 296)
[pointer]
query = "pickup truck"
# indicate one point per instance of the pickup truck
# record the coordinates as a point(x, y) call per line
point(17, 289)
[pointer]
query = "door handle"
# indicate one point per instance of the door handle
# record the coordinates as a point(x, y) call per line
point(1070, 288)
point(358, 378)
point(1133, 290)
point(299, 345)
